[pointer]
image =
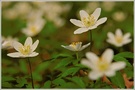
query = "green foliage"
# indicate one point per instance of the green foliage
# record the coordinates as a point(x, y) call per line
point(118, 80)
point(47, 84)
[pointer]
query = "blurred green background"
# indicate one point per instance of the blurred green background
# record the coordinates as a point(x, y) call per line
point(56, 33)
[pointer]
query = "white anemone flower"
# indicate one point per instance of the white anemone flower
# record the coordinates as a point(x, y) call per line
point(76, 46)
point(88, 22)
point(7, 43)
point(118, 39)
point(33, 28)
point(103, 65)
point(26, 50)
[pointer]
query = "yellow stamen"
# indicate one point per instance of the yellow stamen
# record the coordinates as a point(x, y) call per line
point(119, 39)
point(102, 65)
point(25, 50)
point(74, 44)
point(88, 21)
point(33, 29)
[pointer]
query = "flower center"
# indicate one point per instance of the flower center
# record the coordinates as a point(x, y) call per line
point(88, 21)
point(74, 44)
point(33, 29)
point(119, 39)
point(102, 65)
point(25, 50)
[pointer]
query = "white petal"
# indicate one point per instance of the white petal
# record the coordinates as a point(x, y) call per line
point(92, 27)
point(108, 55)
point(126, 36)
point(118, 65)
point(33, 54)
point(127, 41)
point(85, 46)
point(87, 63)
point(94, 75)
point(118, 33)
point(76, 22)
point(110, 73)
point(92, 57)
point(80, 30)
point(28, 41)
point(96, 13)
point(83, 14)
point(14, 55)
point(34, 46)
point(17, 45)
point(68, 47)
point(101, 21)
point(111, 36)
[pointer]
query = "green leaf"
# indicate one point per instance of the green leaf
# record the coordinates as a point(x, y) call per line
point(58, 81)
point(78, 81)
point(126, 54)
point(118, 80)
point(63, 62)
point(47, 84)
point(119, 58)
point(61, 55)
point(6, 85)
point(21, 82)
point(7, 78)
point(71, 71)
point(129, 71)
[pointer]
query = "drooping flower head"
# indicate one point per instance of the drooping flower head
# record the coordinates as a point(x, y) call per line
point(7, 43)
point(102, 65)
point(118, 39)
point(26, 50)
point(76, 46)
point(88, 22)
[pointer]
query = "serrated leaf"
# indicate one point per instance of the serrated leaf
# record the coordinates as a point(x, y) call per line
point(47, 84)
point(118, 80)
point(126, 54)
point(70, 71)
point(119, 58)
point(21, 82)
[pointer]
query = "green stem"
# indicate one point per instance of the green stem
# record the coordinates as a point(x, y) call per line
point(77, 57)
point(31, 73)
point(90, 39)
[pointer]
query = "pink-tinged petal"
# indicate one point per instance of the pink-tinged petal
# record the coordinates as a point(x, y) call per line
point(92, 57)
point(34, 46)
point(87, 63)
point(127, 41)
point(78, 46)
point(118, 33)
point(101, 21)
point(83, 14)
point(118, 65)
point(96, 13)
point(126, 36)
point(80, 30)
point(108, 55)
point(76, 22)
point(85, 46)
point(28, 41)
point(17, 45)
point(33, 54)
point(14, 55)
point(94, 75)
point(68, 47)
